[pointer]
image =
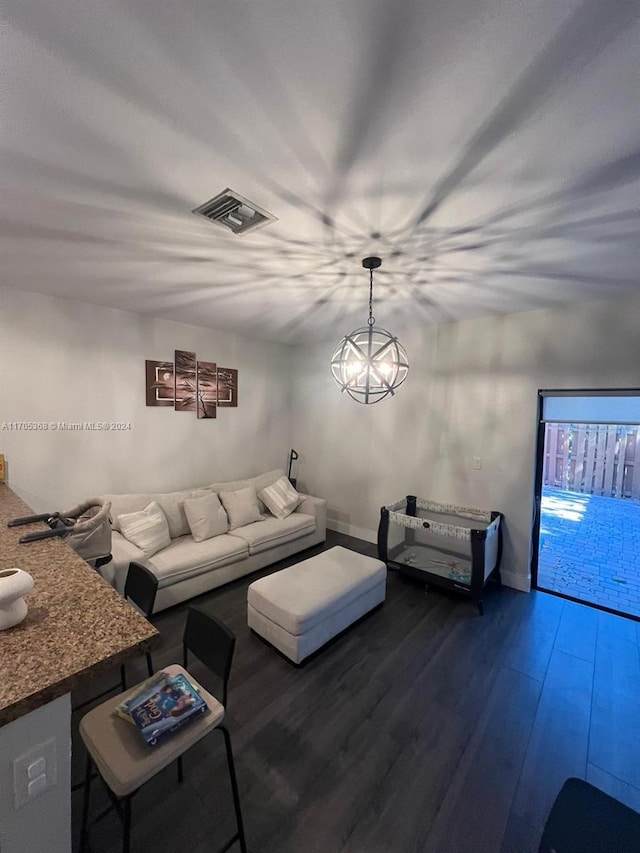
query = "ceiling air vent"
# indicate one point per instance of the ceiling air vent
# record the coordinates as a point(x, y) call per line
point(234, 212)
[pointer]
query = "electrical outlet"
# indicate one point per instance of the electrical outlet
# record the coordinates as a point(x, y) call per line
point(477, 463)
point(34, 772)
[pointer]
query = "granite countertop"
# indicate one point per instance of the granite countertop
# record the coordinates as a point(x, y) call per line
point(76, 624)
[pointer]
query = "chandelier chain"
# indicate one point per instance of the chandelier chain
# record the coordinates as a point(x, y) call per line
point(372, 320)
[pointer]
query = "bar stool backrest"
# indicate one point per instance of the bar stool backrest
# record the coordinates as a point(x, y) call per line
point(141, 587)
point(212, 642)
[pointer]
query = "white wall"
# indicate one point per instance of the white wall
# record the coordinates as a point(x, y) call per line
point(68, 361)
point(471, 391)
point(44, 823)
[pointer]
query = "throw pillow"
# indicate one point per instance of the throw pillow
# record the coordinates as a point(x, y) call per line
point(148, 529)
point(206, 517)
point(241, 506)
point(172, 505)
point(280, 498)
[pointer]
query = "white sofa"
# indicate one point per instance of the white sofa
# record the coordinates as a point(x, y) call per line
point(187, 568)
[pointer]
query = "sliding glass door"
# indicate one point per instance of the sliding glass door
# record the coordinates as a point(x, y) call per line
point(587, 526)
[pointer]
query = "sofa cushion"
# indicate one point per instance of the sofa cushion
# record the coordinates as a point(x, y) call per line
point(124, 504)
point(172, 504)
point(241, 506)
point(185, 558)
point(206, 517)
point(280, 498)
point(260, 482)
point(275, 531)
point(147, 529)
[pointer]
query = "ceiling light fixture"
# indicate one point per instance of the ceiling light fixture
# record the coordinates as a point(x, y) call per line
point(370, 363)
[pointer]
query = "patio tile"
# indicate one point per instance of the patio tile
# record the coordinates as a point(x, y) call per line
point(590, 549)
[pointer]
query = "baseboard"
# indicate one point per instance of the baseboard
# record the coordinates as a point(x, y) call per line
point(515, 580)
point(352, 530)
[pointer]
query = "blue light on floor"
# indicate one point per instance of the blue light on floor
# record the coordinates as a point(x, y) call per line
point(589, 549)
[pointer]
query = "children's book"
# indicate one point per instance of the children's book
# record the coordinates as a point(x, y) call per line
point(121, 709)
point(163, 705)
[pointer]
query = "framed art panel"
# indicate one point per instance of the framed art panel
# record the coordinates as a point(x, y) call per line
point(227, 386)
point(207, 390)
point(185, 381)
point(160, 383)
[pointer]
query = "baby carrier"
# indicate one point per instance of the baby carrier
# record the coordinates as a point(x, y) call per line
point(86, 527)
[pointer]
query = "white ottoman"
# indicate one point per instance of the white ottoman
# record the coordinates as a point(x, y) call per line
point(299, 609)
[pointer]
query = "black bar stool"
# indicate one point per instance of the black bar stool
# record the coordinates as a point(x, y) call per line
point(125, 763)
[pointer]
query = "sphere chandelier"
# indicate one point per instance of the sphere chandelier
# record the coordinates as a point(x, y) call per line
point(370, 363)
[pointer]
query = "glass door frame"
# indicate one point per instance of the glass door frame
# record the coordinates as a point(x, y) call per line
point(539, 469)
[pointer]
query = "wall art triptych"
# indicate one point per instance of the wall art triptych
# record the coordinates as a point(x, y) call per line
point(189, 385)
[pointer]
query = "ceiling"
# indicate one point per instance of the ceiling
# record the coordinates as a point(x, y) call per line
point(487, 150)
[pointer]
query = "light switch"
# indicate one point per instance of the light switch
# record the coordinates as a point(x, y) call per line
point(39, 784)
point(37, 768)
point(477, 462)
point(34, 772)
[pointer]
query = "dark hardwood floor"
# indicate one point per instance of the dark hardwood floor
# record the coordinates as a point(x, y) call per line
point(424, 727)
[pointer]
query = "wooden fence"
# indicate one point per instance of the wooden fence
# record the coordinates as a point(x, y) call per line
point(595, 459)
